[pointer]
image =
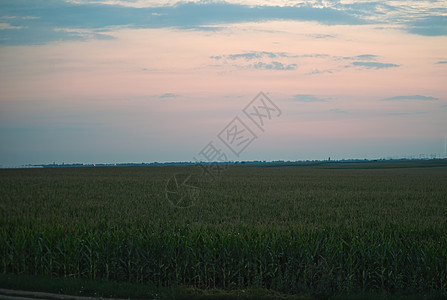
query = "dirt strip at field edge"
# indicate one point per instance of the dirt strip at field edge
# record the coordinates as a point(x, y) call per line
point(19, 295)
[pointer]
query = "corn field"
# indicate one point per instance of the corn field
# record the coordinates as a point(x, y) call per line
point(292, 229)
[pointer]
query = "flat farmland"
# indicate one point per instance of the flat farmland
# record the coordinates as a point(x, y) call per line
point(318, 229)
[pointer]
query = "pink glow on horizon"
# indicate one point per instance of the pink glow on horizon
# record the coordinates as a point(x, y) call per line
point(121, 83)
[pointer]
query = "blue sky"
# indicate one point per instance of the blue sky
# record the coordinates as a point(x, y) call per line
point(36, 22)
point(131, 81)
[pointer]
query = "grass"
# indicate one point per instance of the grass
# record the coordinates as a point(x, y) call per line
point(318, 230)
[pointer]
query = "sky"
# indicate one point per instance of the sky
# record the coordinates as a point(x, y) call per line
point(114, 81)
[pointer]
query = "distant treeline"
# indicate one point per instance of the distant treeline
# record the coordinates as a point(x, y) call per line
point(332, 163)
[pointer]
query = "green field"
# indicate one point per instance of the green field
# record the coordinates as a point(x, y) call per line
point(318, 229)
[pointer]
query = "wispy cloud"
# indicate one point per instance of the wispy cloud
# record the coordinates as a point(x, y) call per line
point(6, 26)
point(290, 61)
point(406, 113)
point(442, 62)
point(274, 65)
point(318, 71)
point(410, 97)
point(259, 60)
point(38, 18)
point(308, 98)
point(169, 95)
point(339, 111)
point(368, 61)
point(84, 34)
point(185, 15)
point(374, 65)
point(366, 57)
point(429, 26)
point(322, 36)
point(252, 55)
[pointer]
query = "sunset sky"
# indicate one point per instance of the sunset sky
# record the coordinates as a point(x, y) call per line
point(143, 81)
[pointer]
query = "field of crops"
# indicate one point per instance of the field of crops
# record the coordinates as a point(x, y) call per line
point(321, 229)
